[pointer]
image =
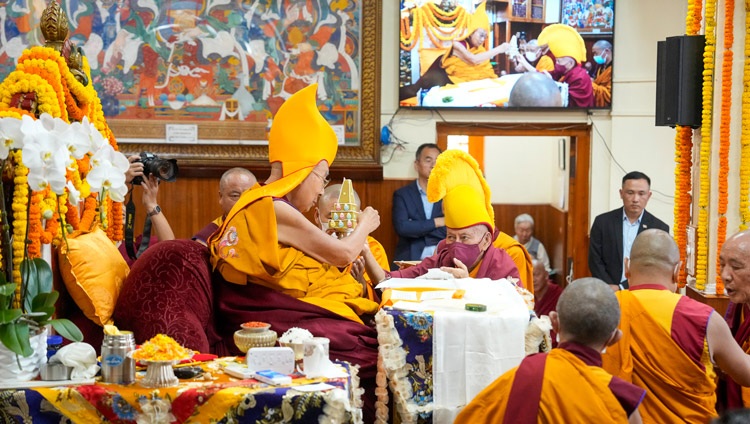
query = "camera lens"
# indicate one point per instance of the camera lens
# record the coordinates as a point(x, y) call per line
point(165, 170)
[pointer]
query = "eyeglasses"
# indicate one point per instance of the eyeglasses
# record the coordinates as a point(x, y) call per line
point(326, 180)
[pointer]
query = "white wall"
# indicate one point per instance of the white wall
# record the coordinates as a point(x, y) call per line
point(538, 157)
point(628, 131)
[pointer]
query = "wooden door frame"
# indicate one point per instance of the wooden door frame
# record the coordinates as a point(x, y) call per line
point(576, 245)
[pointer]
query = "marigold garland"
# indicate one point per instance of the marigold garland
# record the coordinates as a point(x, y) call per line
point(683, 189)
point(724, 135)
point(744, 203)
point(45, 72)
point(20, 209)
point(439, 26)
point(701, 265)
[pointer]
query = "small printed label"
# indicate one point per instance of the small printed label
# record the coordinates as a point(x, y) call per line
point(182, 133)
point(113, 360)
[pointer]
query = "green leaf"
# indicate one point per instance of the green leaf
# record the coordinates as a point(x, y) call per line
point(7, 289)
point(37, 278)
point(9, 315)
point(15, 337)
point(44, 300)
point(67, 329)
point(48, 313)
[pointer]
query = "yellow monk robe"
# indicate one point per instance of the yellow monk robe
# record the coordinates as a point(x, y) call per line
point(541, 390)
point(520, 256)
point(664, 350)
point(378, 251)
point(545, 64)
point(460, 71)
point(249, 251)
point(602, 85)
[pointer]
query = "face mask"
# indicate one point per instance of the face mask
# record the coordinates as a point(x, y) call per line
point(599, 60)
point(560, 69)
point(530, 56)
point(466, 253)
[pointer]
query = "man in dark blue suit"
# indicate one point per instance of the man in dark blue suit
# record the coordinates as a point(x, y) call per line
point(613, 232)
point(420, 225)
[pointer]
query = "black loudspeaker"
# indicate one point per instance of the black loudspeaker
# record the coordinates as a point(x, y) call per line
point(679, 81)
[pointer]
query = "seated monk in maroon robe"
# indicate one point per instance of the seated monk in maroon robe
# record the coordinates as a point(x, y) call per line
point(570, 52)
point(546, 294)
point(467, 250)
point(566, 385)
point(735, 263)
point(232, 184)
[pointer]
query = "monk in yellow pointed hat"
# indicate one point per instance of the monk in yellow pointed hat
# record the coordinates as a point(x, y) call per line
point(569, 50)
point(266, 240)
point(467, 250)
point(468, 58)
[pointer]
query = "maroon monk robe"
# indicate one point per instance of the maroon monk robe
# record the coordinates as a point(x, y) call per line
point(496, 264)
point(580, 89)
point(350, 341)
point(729, 392)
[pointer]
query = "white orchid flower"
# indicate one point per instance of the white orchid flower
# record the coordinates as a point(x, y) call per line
point(53, 124)
point(46, 159)
point(76, 139)
point(31, 128)
point(107, 173)
point(11, 136)
point(73, 195)
point(95, 138)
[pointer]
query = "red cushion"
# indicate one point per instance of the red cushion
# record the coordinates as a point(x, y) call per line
point(169, 291)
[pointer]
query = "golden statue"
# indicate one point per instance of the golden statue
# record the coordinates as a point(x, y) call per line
point(54, 28)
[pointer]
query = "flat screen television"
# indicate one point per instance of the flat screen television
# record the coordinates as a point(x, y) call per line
point(458, 54)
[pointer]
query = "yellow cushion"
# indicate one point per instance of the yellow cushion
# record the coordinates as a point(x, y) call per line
point(93, 271)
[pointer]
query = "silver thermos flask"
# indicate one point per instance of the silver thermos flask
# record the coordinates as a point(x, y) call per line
point(117, 366)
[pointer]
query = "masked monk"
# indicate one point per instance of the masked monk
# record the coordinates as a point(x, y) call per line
point(735, 272)
point(569, 49)
point(670, 342)
point(467, 250)
point(540, 389)
point(602, 76)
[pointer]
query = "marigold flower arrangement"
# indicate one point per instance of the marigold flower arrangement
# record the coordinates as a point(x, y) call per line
point(161, 348)
point(62, 165)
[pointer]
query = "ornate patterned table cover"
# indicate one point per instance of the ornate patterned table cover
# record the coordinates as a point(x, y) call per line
point(405, 339)
point(225, 400)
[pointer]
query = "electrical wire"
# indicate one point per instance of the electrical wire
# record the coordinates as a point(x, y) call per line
point(612, 156)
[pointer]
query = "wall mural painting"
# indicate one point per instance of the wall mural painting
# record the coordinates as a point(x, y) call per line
point(204, 61)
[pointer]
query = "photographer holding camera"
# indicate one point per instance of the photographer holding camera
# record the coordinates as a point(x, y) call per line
point(147, 170)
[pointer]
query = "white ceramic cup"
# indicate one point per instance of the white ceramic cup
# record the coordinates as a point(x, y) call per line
point(315, 361)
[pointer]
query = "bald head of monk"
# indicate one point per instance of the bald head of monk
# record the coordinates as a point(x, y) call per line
point(654, 259)
point(735, 267)
point(535, 89)
point(587, 313)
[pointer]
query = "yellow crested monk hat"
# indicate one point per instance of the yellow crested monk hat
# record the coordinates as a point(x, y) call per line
point(563, 40)
point(477, 20)
point(458, 181)
point(299, 139)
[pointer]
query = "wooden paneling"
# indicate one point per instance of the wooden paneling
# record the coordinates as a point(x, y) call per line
point(550, 226)
point(719, 303)
point(190, 203)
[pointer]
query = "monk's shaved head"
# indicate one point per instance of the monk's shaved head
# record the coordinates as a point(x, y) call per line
point(588, 312)
point(603, 45)
point(734, 260)
point(534, 89)
point(331, 195)
point(654, 254)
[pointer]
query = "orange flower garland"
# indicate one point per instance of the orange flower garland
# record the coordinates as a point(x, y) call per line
point(745, 137)
point(682, 198)
point(20, 209)
point(724, 133)
point(701, 267)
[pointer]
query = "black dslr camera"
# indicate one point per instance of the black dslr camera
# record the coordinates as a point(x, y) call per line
point(164, 169)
